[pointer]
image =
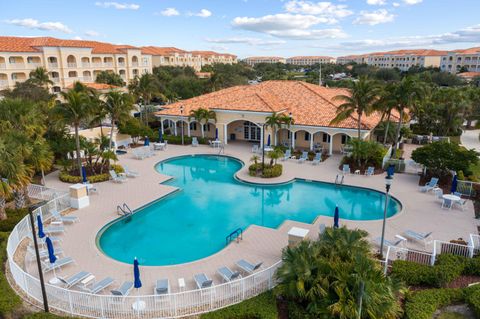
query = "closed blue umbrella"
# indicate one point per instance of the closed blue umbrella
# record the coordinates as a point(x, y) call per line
point(51, 251)
point(147, 141)
point(391, 170)
point(216, 133)
point(268, 140)
point(160, 135)
point(41, 234)
point(454, 184)
point(136, 274)
point(84, 174)
point(336, 217)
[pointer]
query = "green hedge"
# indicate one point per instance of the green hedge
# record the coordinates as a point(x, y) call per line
point(423, 304)
point(268, 172)
point(67, 178)
point(13, 217)
point(42, 315)
point(472, 297)
point(9, 300)
point(263, 306)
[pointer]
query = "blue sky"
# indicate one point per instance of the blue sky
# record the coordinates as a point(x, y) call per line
point(253, 27)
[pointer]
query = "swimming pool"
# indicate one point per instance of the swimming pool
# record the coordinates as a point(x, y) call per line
point(193, 222)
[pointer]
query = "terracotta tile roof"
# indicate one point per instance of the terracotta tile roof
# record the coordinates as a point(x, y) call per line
point(24, 44)
point(421, 52)
point(96, 86)
point(468, 74)
point(212, 53)
point(310, 57)
point(310, 104)
point(164, 51)
point(475, 50)
point(264, 58)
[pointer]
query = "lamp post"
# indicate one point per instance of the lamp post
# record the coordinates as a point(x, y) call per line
point(263, 147)
point(388, 184)
point(181, 112)
point(31, 209)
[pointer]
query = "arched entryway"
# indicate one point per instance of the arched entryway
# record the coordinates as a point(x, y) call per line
point(241, 130)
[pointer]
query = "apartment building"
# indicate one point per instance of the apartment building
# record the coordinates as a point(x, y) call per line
point(405, 59)
point(67, 61)
point(310, 60)
point(469, 59)
point(170, 56)
point(264, 59)
point(359, 59)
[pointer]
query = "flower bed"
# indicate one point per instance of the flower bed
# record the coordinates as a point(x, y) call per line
point(269, 171)
point(66, 177)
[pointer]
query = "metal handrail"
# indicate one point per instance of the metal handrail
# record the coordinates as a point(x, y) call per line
point(124, 209)
point(233, 235)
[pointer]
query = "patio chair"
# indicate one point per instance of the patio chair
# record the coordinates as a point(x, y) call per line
point(64, 219)
point(370, 171)
point(462, 203)
point(194, 142)
point(117, 178)
point(399, 240)
point(303, 158)
point(438, 192)
point(417, 236)
point(101, 285)
point(430, 185)
point(139, 153)
point(130, 173)
point(447, 203)
point(91, 188)
point(202, 281)
point(227, 274)
point(346, 169)
point(211, 143)
point(162, 287)
point(123, 290)
point(317, 159)
point(287, 155)
point(74, 279)
point(255, 149)
point(247, 266)
point(318, 148)
point(43, 252)
point(58, 264)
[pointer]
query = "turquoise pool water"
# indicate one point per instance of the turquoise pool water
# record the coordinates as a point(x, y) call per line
point(192, 223)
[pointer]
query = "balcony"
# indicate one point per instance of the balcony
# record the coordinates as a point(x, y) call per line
point(72, 65)
point(121, 64)
point(3, 66)
point(3, 84)
point(17, 65)
point(108, 64)
point(34, 65)
point(53, 65)
point(134, 64)
point(85, 65)
point(87, 79)
point(55, 80)
point(96, 64)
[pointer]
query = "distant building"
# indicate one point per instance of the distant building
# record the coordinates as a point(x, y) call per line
point(469, 76)
point(310, 60)
point(405, 59)
point(359, 59)
point(469, 59)
point(264, 59)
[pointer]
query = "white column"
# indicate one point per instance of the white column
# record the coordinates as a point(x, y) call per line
point(293, 139)
point(175, 127)
point(330, 147)
point(188, 129)
point(225, 133)
point(161, 125)
point(311, 141)
point(261, 138)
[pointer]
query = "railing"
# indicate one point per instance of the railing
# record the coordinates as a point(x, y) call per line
point(72, 65)
point(3, 66)
point(53, 65)
point(43, 193)
point(124, 210)
point(467, 188)
point(339, 179)
point(237, 233)
point(387, 156)
point(174, 305)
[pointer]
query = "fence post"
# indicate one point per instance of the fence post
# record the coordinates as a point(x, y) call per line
point(386, 260)
point(434, 254)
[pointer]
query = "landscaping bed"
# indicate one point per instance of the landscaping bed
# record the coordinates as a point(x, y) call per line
point(268, 171)
point(73, 176)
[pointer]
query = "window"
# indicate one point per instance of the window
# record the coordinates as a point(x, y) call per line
point(11, 60)
point(307, 136)
point(193, 126)
point(325, 138)
point(206, 127)
point(345, 139)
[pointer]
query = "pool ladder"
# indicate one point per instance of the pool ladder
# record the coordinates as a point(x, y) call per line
point(339, 179)
point(124, 210)
point(236, 234)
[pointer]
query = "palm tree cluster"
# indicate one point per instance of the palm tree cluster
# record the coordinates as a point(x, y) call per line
point(203, 116)
point(337, 277)
point(277, 121)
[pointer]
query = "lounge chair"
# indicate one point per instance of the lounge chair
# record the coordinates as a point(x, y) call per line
point(64, 219)
point(139, 153)
point(54, 229)
point(130, 173)
point(398, 241)
point(202, 281)
point(317, 159)
point(194, 142)
point(227, 274)
point(303, 158)
point(91, 188)
point(447, 203)
point(417, 236)
point(247, 266)
point(162, 287)
point(370, 171)
point(123, 290)
point(43, 252)
point(462, 203)
point(101, 285)
point(287, 155)
point(430, 185)
point(74, 279)
point(255, 148)
point(58, 264)
point(117, 178)
point(346, 169)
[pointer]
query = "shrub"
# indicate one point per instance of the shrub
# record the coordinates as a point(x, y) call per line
point(472, 297)
point(13, 217)
point(273, 171)
point(9, 300)
point(423, 304)
point(472, 267)
point(263, 306)
point(413, 274)
point(447, 268)
point(67, 178)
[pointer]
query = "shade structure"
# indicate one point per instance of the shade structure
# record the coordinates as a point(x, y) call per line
point(160, 135)
point(268, 140)
point(84, 174)
point(216, 133)
point(137, 283)
point(336, 218)
point(51, 251)
point(454, 184)
point(41, 234)
point(146, 142)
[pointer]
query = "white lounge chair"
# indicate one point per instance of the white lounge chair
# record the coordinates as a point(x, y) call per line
point(417, 236)
point(130, 173)
point(194, 141)
point(101, 285)
point(139, 153)
point(303, 158)
point(247, 266)
point(123, 290)
point(370, 171)
point(64, 219)
point(43, 252)
point(227, 274)
point(54, 229)
point(317, 159)
point(430, 185)
point(287, 155)
point(346, 169)
point(255, 149)
point(117, 178)
point(462, 203)
point(399, 240)
point(162, 287)
point(203, 281)
point(58, 264)
point(74, 279)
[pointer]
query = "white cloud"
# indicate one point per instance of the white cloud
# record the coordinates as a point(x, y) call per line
point(204, 13)
point(327, 10)
point(374, 17)
point(35, 24)
point(396, 4)
point(376, 2)
point(412, 2)
point(118, 6)
point(92, 33)
point(77, 38)
point(246, 40)
point(170, 12)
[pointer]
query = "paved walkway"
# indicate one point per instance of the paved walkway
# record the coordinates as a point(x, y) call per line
point(421, 212)
point(469, 139)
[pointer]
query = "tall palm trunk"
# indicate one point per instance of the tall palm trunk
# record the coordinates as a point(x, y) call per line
point(387, 127)
point(111, 134)
point(359, 124)
point(397, 134)
point(19, 198)
point(202, 129)
point(77, 144)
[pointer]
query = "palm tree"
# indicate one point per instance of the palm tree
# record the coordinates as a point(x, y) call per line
point(274, 121)
point(73, 111)
point(145, 87)
point(286, 120)
point(274, 156)
point(5, 192)
point(203, 116)
point(385, 105)
point(41, 157)
point(361, 100)
point(118, 106)
point(40, 77)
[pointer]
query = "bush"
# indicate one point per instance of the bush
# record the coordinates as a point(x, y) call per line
point(9, 300)
point(67, 178)
point(413, 274)
point(423, 304)
point(13, 217)
point(273, 171)
point(448, 268)
point(263, 306)
point(472, 267)
point(472, 297)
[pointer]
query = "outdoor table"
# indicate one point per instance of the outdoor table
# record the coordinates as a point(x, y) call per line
point(452, 198)
point(268, 148)
point(216, 143)
point(158, 146)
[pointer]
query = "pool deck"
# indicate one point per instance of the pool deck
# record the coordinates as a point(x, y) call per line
point(421, 212)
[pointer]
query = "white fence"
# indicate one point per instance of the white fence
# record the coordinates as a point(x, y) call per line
point(43, 193)
point(78, 303)
point(467, 188)
point(387, 156)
